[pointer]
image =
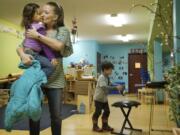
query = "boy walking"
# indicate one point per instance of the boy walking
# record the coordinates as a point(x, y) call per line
point(100, 98)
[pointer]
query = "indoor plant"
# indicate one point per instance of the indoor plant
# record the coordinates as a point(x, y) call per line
point(173, 88)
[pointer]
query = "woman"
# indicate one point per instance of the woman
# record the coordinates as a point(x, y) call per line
point(58, 39)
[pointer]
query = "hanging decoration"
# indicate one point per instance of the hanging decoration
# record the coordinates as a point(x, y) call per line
point(74, 31)
point(12, 31)
point(163, 23)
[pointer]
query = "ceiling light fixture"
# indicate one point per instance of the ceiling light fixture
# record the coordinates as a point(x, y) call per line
point(125, 38)
point(116, 20)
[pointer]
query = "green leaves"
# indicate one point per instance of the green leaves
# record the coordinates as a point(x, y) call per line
point(173, 88)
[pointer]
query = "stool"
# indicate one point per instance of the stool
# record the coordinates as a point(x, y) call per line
point(141, 93)
point(149, 96)
point(122, 105)
point(148, 99)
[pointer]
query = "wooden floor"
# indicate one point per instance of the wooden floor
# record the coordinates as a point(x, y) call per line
point(81, 124)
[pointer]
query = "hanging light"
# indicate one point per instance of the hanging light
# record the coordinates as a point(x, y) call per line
point(172, 54)
point(74, 32)
point(124, 38)
point(116, 20)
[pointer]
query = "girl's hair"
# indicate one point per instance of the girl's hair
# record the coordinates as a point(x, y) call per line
point(58, 10)
point(28, 14)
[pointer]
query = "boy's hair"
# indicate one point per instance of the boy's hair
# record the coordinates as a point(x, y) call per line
point(28, 14)
point(106, 65)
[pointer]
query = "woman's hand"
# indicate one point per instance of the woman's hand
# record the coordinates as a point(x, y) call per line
point(26, 59)
point(54, 62)
point(32, 33)
point(50, 42)
point(120, 87)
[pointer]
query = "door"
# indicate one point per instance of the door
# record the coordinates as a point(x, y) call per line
point(136, 62)
point(98, 63)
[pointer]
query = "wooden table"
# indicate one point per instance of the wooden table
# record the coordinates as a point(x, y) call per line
point(10, 77)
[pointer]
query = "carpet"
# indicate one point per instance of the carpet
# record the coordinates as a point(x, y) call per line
point(67, 111)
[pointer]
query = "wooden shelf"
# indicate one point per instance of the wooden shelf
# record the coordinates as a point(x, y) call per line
point(4, 97)
point(77, 91)
point(69, 93)
point(10, 77)
point(70, 97)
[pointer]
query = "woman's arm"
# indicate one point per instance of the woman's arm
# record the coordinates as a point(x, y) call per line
point(52, 43)
point(20, 51)
point(26, 58)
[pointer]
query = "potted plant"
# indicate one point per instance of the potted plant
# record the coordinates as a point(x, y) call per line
point(173, 88)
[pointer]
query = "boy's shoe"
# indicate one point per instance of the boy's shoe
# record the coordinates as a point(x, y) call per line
point(95, 126)
point(97, 129)
point(108, 128)
point(105, 125)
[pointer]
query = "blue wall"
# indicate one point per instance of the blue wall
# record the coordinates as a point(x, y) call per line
point(176, 24)
point(158, 62)
point(88, 50)
point(118, 55)
point(166, 62)
point(83, 50)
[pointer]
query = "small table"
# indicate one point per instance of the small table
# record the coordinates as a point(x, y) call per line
point(122, 105)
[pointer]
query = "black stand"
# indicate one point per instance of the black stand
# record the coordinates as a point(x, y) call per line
point(155, 85)
point(126, 116)
point(151, 120)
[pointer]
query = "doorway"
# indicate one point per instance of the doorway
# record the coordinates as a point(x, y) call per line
point(136, 62)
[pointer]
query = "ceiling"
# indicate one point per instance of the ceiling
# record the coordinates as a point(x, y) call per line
point(90, 16)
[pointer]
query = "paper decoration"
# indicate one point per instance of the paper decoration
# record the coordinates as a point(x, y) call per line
point(12, 31)
point(120, 72)
point(137, 65)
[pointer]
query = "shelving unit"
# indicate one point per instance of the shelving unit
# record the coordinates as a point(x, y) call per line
point(4, 96)
point(85, 92)
point(78, 91)
point(4, 90)
point(70, 96)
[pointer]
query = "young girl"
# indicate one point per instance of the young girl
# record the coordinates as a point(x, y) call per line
point(31, 19)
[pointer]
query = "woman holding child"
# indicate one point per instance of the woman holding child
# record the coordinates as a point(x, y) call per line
point(57, 40)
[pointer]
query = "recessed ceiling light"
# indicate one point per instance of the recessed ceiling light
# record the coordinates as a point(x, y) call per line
point(116, 20)
point(125, 38)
